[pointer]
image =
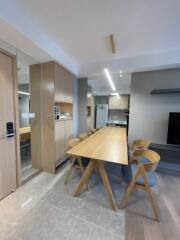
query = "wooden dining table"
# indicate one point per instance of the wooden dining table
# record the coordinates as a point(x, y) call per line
point(25, 133)
point(108, 144)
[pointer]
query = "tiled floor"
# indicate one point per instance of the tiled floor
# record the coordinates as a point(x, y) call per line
point(44, 209)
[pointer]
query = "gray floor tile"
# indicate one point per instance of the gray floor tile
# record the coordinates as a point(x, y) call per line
point(56, 215)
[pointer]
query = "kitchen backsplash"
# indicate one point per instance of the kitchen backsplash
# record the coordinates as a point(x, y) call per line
point(116, 115)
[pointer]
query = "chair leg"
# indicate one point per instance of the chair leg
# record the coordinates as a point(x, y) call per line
point(148, 190)
point(69, 170)
point(130, 188)
point(82, 169)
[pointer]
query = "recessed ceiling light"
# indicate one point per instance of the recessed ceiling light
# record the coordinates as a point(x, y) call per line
point(120, 71)
point(109, 79)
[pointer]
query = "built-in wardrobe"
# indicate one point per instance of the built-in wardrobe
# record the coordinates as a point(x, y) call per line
point(51, 88)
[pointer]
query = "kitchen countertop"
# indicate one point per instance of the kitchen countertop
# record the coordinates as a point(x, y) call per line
point(120, 122)
point(63, 119)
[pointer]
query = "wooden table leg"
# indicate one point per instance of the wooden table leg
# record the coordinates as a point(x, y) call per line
point(82, 169)
point(85, 177)
point(107, 186)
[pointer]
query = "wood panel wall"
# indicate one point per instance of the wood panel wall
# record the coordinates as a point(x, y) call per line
point(48, 76)
point(49, 87)
point(36, 123)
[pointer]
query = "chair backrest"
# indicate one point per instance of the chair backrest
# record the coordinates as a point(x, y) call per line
point(93, 130)
point(83, 136)
point(73, 142)
point(152, 156)
point(141, 144)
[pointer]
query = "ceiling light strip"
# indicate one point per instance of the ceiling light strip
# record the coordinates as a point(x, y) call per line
point(109, 79)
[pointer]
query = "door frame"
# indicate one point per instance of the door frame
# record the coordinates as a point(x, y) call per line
point(16, 115)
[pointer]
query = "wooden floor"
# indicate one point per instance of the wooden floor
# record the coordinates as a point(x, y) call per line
point(139, 218)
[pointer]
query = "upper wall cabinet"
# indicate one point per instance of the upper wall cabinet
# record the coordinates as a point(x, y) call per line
point(63, 85)
point(118, 103)
point(68, 87)
point(59, 83)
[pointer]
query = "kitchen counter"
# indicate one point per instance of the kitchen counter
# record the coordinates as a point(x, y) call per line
point(63, 119)
point(118, 122)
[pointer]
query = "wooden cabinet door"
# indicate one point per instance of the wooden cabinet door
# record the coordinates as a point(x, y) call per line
point(7, 114)
point(68, 132)
point(68, 98)
point(59, 141)
point(59, 83)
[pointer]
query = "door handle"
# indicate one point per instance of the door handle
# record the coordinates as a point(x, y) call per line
point(4, 136)
point(10, 135)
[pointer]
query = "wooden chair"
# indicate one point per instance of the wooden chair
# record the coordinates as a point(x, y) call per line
point(83, 136)
point(143, 176)
point(141, 144)
point(93, 130)
point(72, 143)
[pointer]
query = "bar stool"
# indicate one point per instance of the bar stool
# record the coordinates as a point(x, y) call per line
point(72, 143)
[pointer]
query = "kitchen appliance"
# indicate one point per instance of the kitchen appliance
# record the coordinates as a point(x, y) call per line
point(101, 115)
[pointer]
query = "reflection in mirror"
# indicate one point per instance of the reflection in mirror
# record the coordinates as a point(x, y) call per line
point(24, 61)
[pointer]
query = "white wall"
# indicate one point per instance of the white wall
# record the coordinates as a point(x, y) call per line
point(149, 113)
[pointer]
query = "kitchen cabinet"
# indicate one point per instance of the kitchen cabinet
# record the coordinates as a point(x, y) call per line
point(59, 84)
point(68, 127)
point(118, 103)
point(63, 132)
point(68, 87)
point(59, 141)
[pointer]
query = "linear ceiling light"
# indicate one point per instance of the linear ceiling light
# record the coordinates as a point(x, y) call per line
point(109, 79)
point(24, 93)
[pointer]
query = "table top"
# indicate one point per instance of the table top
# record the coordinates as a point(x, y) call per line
point(108, 144)
point(24, 130)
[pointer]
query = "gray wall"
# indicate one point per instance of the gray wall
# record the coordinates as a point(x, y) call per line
point(101, 100)
point(82, 104)
point(116, 115)
point(149, 113)
point(75, 107)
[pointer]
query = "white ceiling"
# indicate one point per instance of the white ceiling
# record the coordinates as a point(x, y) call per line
point(100, 85)
point(146, 33)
